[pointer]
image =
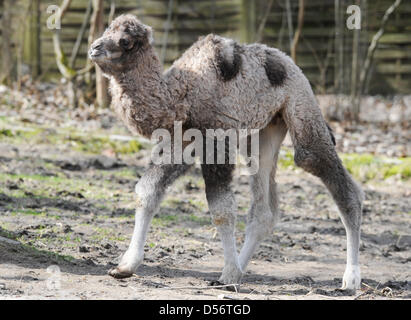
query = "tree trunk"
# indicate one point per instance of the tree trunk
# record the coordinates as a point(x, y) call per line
point(96, 30)
point(249, 17)
point(260, 32)
point(354, 73)
point(7, 56)
point(289, 22)
point(339, 52)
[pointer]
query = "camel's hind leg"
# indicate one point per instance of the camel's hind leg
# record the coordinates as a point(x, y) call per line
point(315, 153)
point(264, 208)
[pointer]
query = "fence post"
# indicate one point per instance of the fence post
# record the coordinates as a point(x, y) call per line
point(248, 27)
point(31, 47)
point(98, 28)
point(7, 57)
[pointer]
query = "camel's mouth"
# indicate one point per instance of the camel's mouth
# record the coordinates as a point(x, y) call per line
point(95, 54)
point(100, 55)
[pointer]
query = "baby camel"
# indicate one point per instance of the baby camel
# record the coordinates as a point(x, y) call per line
point(218, 83)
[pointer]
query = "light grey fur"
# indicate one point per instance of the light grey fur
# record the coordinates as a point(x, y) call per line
point(220, 84)
point(263, 212)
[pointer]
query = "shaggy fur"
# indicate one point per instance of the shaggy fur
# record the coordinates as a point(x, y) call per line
point(218, 83)
point(331, 134)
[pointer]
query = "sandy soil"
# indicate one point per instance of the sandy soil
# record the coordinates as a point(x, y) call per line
point(67, 216)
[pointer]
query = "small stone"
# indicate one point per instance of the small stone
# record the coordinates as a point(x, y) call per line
point(107, 246)
point(83, 249)
point(67, 229)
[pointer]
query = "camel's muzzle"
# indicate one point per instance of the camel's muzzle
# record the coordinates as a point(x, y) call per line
point(96, 51)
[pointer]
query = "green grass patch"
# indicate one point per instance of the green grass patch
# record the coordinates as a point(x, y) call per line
point(166, 220)
point(196, 219)
point(367, 167)
point(18, 134)
point(106, 234)
point(6, 133)
point(5, 233)
point(96, 145)
point(241, 225)
point(125, 173)
point(28, 248)
point(29, 212)
point(56, 257)
point(286, 158)
point(364, 167)
point(49, 186)
point(89, 143)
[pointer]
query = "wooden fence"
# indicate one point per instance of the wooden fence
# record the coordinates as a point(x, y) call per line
point(178, 23)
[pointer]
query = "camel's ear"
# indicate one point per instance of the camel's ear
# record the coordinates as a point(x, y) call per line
point(149, 33)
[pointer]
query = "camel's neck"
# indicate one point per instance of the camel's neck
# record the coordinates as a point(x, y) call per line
point(141, 96)
point(144, 82)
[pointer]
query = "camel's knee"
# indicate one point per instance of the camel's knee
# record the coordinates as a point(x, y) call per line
point(149, 192)
point(151, 188)
point(223, 220)
point(146, 197)
point(220, 197)
point(315, 161)
point(304, 159)
point(222, 205)
point(351, 211)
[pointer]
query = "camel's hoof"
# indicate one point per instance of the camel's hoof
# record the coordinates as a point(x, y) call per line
point(231, 275)
point(119, 274)
point(222, 286)
point(214, 283)
point(351, 278)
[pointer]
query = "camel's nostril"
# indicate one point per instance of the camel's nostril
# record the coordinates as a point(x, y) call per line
point(97, 46)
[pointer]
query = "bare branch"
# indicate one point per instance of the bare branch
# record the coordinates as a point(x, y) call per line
point(370, 57)
point(374, 44)
point(112, 11)
point(298, 32)
point(263, 22)
point(80, 35)
point(63, 8)
point(289, 21)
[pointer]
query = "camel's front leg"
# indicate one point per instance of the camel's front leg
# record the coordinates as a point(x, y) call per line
point(223, 210)
point(149, 193)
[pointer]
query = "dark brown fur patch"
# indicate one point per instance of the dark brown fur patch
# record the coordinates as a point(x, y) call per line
point(229, 69)
point(275, 70)
point(216, 175)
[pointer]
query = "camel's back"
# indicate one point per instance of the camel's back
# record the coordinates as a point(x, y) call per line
point(228, 85)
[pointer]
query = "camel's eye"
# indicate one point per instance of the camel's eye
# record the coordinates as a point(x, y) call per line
point(124, 43)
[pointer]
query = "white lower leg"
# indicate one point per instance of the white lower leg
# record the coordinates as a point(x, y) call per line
point(352, 274)
point(134, 255)
point(251, 244)
point(232, 271)
point(263, 210)
point(147, 200)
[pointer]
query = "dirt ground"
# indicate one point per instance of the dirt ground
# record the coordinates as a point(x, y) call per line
point(66, 215)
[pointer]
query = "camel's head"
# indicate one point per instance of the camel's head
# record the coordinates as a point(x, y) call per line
point(121, 44)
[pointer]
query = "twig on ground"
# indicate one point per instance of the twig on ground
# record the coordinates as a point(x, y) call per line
point(385, 292)
point(235, 285)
